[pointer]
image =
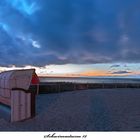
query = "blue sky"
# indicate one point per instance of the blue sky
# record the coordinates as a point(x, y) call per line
point(80, 36)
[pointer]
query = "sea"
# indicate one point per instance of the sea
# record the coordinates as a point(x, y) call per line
point(89, 80)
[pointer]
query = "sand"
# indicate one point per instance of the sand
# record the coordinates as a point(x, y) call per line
point(86, 110)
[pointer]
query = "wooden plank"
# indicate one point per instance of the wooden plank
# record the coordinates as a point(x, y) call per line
point(25, 105)
point(20, 106)
point(28, 102)
point(15, 115)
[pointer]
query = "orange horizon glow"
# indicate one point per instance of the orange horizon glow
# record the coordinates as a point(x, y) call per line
point(92, 73)
point(95, 73)
point(79, 71)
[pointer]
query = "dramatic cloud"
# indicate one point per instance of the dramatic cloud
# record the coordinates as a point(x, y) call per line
point(40, 32)
point(121, 72)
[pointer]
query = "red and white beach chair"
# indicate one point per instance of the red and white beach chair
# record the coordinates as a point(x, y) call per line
point(16, 92)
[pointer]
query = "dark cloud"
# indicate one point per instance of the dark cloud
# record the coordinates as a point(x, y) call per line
point(40, 32)
point(121, 72)
point(115, 66)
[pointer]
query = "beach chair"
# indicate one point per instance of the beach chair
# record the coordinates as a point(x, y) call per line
point(18, 92)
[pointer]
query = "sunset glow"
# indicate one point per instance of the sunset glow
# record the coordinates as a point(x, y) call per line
point(95, 70)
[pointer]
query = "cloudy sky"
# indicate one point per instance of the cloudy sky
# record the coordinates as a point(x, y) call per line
point(71, 37)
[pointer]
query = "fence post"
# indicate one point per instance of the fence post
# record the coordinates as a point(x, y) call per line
point(74, 86)
point(58, 87)
point(103, 85)
point(87, 85)
point(115, 85)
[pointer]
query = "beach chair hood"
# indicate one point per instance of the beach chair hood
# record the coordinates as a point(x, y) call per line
point(16, 79)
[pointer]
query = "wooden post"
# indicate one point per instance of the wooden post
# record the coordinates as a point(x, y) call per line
point(74, 86)
point(58, 87)
point(115, 85)
point(87, 85)
point(126, 85)
point(103, 85)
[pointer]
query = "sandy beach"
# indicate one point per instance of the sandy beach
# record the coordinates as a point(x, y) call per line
point(85, 110)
